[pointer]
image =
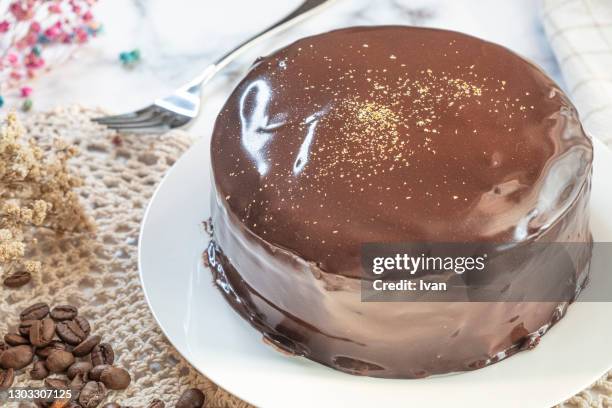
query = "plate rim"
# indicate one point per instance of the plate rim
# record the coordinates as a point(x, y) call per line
point(141, 278)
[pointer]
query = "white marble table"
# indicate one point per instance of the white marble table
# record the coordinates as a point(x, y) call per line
point(177, 38)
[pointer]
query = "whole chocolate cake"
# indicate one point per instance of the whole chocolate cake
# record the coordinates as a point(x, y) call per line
point(382, 135)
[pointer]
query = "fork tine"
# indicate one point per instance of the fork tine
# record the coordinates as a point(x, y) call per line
point(155, 122)
point(114, 118)
point(132, 117)
point(143, 130)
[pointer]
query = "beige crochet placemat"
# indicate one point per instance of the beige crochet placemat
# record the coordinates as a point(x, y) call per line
point(101, 275)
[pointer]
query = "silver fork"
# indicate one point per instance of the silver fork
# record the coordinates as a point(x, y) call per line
point(184, 104)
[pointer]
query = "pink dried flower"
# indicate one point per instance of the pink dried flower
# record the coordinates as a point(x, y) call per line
point(22, 10)
point(26, 91)
point(4, 26)
point(51, 32)
point(30, 39)
point(34, 61)
point(55, 8)
point(81, 35)
point(35, 27)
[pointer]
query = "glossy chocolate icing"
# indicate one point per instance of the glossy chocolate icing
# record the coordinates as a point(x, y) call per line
point(390, 134)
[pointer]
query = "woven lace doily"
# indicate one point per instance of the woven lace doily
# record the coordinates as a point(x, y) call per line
point(100, 274)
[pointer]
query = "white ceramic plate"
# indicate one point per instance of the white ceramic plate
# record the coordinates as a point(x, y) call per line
point(217, 342)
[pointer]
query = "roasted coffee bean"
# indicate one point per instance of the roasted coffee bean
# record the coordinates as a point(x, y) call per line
point(102, 354)
point(54, 345)
point(80, 367)
point(6, 378)
point(78, 382)
point(16, 357)
point(37, 311)
point(156, 404)
point(96, 372)
point(39, 371)
point(86, 346)
point(56, 383)
point(42, 332)
point(14, 339)
point(59, 361)
point(17, 279)
point(192, 398)
point(111, 405)
point(92, 394)
point(70, 332)
point(61, 403)
point(83, 323)
point(64, 312)
point(3, 346)
point(24, 327)
point(115, 378)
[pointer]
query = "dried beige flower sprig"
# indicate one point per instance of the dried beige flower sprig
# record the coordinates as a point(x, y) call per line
point(37, 190)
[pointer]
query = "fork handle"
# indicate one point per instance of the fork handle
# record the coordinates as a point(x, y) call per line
point(305, 10)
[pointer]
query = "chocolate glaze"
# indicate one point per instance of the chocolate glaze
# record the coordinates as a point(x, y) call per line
point(390, 134)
